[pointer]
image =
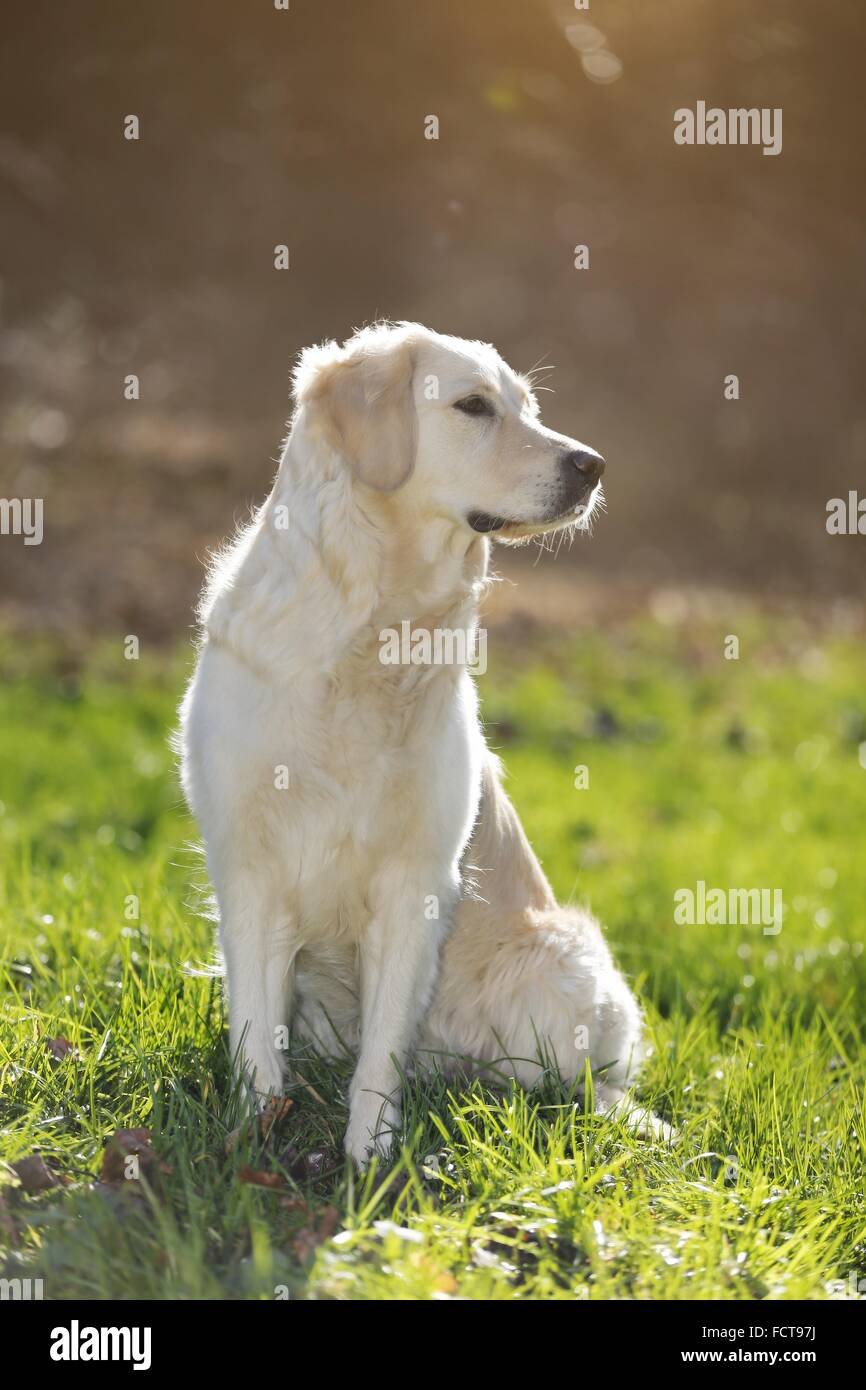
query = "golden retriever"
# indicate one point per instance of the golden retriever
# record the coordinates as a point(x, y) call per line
point(374, 884)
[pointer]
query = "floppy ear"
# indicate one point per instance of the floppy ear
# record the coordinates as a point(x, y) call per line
point(367, 399)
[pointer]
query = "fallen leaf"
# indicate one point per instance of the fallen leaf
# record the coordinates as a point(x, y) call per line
point(34, 1174)
point(258, 1178)
point(295, 1204)
point(275, 1109)
point(60, 1048)
point(310, 1237)
point(128, 1157)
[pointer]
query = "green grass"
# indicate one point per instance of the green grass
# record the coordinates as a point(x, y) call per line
point(741, 773)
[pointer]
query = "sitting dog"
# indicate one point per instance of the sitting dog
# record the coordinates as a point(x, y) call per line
point(374, 884)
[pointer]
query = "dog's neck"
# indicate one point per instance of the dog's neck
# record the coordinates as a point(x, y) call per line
point(327, 566)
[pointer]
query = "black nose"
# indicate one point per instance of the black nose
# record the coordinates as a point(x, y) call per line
point(589, 465)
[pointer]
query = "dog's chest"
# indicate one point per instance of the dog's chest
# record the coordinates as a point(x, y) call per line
point(363, 782)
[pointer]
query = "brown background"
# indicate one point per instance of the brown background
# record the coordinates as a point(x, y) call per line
point(307, 127)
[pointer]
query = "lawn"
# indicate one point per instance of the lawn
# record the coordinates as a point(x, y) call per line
point(741, 773)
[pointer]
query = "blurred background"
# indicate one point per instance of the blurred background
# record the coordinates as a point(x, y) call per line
point(306, 127)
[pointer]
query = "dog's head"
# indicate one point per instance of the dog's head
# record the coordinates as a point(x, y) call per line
point(450, 425)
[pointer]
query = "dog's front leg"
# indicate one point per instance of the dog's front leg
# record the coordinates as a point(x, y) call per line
point(259, 945)
point(399, 960)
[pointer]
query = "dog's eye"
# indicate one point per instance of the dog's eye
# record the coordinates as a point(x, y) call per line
point(474, 405)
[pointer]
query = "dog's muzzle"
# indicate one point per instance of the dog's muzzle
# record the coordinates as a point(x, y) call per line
point(581, 471)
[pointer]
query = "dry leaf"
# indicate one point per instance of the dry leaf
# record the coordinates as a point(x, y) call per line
point(275, 1109)
point(34, 1174)
point(128, 1157)
point(309, 1237)
point(258, 1178)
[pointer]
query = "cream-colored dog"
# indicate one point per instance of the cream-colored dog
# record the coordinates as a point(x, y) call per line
point(374, 883)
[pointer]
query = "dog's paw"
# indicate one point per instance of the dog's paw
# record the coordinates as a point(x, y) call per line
point(620, 1105)
point(374, 1127)
point(262, 1073)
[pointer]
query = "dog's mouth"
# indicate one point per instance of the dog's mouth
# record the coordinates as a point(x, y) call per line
point(483, 523)
point(577, 514)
